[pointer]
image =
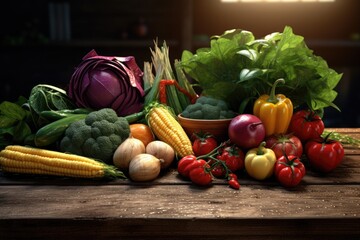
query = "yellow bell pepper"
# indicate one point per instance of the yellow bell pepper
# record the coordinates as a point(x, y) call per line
point(275, 111)
point(260, 162)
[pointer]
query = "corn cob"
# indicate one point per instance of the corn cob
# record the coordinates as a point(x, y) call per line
point(21, 159)
point(168, 129)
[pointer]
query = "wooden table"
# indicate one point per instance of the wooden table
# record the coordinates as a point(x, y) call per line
point(321, 207)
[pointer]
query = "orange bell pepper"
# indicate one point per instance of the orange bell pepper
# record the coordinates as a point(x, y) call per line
point(275, 111)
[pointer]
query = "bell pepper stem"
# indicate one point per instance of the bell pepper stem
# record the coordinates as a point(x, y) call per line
point(260, 149)
point(272, 97)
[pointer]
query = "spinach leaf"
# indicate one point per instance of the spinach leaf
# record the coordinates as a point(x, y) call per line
point(14, 128)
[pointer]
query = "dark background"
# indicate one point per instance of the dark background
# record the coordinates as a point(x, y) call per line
point(36, 50)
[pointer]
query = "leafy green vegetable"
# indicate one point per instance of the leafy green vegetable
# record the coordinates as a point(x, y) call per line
point(19, 121)
point(238, 68)
point(47, 97)
point(13, 124)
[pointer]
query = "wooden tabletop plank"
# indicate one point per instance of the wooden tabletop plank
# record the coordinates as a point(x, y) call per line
point(120, 201)
point(323, 206)
point(176, 229)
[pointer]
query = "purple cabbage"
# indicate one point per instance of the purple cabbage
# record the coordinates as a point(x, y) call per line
point(108, 82)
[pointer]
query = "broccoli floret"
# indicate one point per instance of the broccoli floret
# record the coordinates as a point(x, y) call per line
point(208, 108)
point(97, 136)
point(203, 100)
point(222, 105)
point(185, 113)
point(105, 127)
point(227, 114)
point(119, 127)
point(212, 112)
point(196, 115)
point(106, 114)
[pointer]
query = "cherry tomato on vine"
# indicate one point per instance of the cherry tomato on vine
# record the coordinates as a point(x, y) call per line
point(233, 157)
point(234, 184)
point(183, 163)
point(218, 171)
point(201, 175)
point(233, 181)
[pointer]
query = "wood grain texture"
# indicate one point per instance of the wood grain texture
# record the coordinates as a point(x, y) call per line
point(323, 206)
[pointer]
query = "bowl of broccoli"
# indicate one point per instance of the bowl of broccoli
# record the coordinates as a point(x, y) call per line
point(207, 115)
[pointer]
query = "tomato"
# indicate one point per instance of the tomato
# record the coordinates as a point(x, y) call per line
point(142, 132)
point(195, 164)
point(306, 124)
point(204, 144)
point(218, 171)
point(232, 176)
point(288, 144)
point(324, 154)
point(289, 170)
point(198, 170)
point(201, 175)
point(183, 164)
point(233, 181)
point(233, 157)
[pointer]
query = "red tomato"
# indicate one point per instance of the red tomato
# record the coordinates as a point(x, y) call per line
point(233, 157)
point(203, 144)
point(289, 170)
point(288, 144)
point(201, 175)
point(183, 163)
point(218, 171)
point(196, 164)
point(305, 124)
point(233, 181)
point(324, 155)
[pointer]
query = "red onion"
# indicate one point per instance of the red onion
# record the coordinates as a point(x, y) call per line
point(246, 131)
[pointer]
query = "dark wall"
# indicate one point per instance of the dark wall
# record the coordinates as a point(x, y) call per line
point(30, 55)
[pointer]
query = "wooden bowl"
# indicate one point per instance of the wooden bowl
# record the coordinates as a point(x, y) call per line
point(216, 127)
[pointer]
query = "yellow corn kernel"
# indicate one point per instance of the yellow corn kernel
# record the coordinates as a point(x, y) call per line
point(169, 130)
point(20, 159)
point(56, 162)
point(50, 154)
point(11, 165)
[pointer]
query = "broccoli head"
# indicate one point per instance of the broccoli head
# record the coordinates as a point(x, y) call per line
point(208, 108)
point(96, 136)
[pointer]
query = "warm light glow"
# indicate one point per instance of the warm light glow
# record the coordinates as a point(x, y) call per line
point(275, 1)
